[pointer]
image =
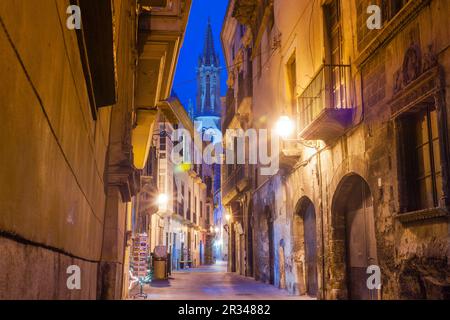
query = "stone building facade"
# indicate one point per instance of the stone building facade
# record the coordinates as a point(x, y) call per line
point(363, 179)
point(76, 138)
point(237, 178)
point(183, 223)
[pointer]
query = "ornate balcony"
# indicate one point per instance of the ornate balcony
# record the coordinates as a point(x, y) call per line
point(325, 108)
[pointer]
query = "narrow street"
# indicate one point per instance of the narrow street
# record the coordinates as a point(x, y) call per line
point(302, 144)
point(212, 283)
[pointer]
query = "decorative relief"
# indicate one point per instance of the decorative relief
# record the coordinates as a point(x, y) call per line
point(413, 67)
point(412, 64)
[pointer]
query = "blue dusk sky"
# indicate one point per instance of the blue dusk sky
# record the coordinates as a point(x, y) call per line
point(185, 84)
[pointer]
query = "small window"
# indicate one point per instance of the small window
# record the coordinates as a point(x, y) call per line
point(201, 209)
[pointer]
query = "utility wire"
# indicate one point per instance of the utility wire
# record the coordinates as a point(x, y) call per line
point(185, 82)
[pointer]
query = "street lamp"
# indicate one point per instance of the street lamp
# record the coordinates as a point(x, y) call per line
point(284, 127)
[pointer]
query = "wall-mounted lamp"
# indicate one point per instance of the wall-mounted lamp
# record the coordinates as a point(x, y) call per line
point(162, 199)
point(284, 127)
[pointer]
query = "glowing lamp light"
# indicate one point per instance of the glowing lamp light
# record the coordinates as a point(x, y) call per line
point(216, 229)
point(228, 217)
point(162, 199)
point(284, 127)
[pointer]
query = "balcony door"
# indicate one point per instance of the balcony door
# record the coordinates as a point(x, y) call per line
point(334, 54)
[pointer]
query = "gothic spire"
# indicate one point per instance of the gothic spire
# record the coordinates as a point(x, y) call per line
point(209, 52)
point(208, 79)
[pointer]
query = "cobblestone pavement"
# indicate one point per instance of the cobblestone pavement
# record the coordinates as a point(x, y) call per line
point(213, 283)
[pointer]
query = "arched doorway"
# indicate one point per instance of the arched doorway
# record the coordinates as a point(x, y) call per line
point(305, 245)
point(354, 235)
point(270, 235)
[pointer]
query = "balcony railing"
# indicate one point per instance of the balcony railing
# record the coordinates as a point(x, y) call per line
point(325, 106)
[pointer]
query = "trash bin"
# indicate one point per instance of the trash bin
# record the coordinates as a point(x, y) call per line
point(159, 268)
point(160, 263)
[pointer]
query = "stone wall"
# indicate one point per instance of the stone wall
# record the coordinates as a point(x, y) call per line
point(54, 157)
point(413, 256)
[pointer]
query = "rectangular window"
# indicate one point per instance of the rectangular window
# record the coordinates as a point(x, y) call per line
point(422, 159)
point(292, 78)
point(195, 209)
point(189, 201)
point(334, 47)
point(201, 209)
point(95, 42)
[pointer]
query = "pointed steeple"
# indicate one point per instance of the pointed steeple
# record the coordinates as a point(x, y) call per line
point(208, 79)
point(209, 53)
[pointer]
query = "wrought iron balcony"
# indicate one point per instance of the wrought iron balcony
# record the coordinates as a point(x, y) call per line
point(325, 106)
